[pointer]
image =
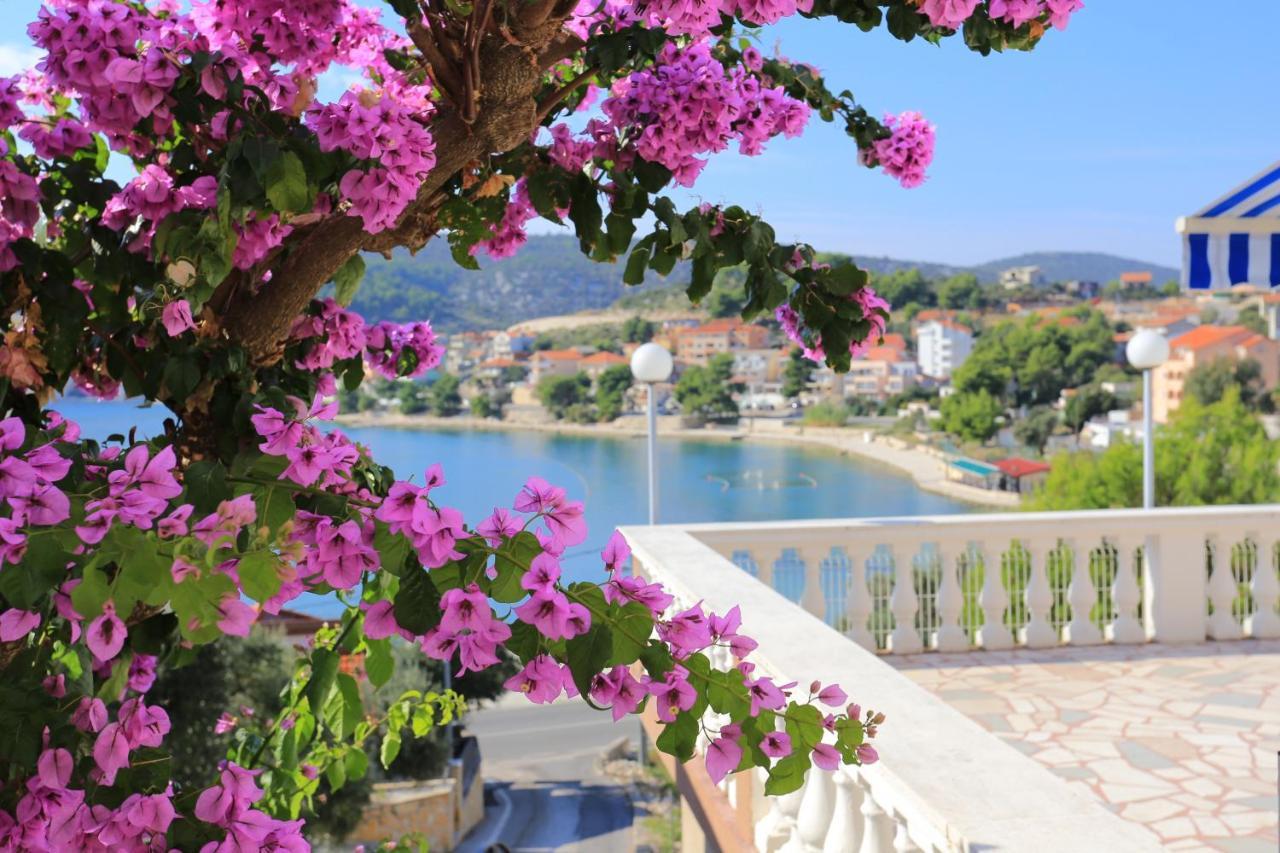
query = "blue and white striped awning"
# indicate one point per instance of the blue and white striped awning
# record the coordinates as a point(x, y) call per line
point(1235, 240)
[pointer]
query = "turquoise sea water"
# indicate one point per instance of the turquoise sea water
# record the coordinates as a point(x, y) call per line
point(698, 480)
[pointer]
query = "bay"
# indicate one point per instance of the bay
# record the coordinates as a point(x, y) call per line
point(699, 480)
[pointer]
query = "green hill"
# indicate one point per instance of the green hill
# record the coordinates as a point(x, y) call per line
point(550, 276)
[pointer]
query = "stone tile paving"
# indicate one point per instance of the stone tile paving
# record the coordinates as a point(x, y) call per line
point(1183, 739)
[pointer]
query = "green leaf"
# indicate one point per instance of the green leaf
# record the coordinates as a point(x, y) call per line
point(417, 603)
point(324, 670)
point(392, 548)
point(390, 748)
point(206, 483)
point(787, 775)
point(347, 279)
point(259, 574)
point(679, 737)
point(657, 660)
point(634, 272)
point(286, 184)
point(588, 654)
point(804, 725)
point(633, 623)
point(336, 773)
point(525, 642)
point(357, 763)
point(379, 664)
point(352, 706)
point(114, 686)
point(727, 694)
point(512, 561)
point(41, 569)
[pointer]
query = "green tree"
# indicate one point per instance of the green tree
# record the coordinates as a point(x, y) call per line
point(707, 392)
point(414, 398)
point(972, 416)
point(558, 393)
point(446, 401)
point(961, 292)
point(637, 330)
point(1209, 382)
point(1251, 318)
point(1087, 403)
point(611, 390)
point(796, 375)
point(1215, 454)
point(482, 406)
point(728, 294)
point(1035, 429)
point(903, 286)
point(513, 374)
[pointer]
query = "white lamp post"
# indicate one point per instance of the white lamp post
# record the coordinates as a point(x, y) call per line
point(652, 364)
point(1147, 350)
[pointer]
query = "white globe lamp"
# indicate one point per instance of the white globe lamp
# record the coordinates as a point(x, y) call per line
point(1147, 350)
point(651, 364)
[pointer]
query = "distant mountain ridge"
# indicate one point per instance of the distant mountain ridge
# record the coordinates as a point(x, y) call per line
point(550, 276)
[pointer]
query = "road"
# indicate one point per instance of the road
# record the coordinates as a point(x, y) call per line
point(544, 757)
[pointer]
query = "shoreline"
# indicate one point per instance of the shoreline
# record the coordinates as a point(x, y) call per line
point(926, 470)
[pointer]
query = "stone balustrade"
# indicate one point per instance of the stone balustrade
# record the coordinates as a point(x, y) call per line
point(824, 598)
point(952, 583)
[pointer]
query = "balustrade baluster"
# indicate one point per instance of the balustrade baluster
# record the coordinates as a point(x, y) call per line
point(905, 639)
point(814, 598)
point(950, 636)
point(1082, 595)
point(765, 558)
point(1222, 594)
point(1264, 623)
point(1039, 632)
point(846, 820)
point(857, 605)
point(1125, 592)
point(902, 842)
point(816, 809)
point(993, 634)
point(776, 828)
point(877, 826)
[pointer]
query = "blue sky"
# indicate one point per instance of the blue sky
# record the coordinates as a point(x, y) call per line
point(1144, 110)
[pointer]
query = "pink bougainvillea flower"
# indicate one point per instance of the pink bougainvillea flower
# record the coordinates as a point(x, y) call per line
point(380, 621)
point(111, 752)
point(867, 753)
point(672, 695)
point(177, 317)
point(826, 757)
point(832, 696)
point(237, 617)
point(723, 757)
point(542, 679)
point(16, 624)
point(776, 745)
point(616, 552)
point(106, 634)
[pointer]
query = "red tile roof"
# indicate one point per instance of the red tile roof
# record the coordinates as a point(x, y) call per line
point(1207, 336)
point(559, 354)
point(1136, 277)
point(604, 357)
point(1018, 467)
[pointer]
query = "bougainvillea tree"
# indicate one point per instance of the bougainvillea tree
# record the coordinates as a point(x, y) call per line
point(198, 281)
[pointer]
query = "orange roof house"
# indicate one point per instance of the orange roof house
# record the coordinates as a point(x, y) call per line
point(1203, 344)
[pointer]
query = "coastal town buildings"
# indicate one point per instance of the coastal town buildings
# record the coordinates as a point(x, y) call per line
point(1203, 345)
point(942, 345)
point(700, 344)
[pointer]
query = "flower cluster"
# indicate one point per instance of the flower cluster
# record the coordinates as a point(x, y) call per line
point(687, 106)
point(875, 310)
point(113, 57)
point(151, 197)
point(952, 14)
point(332, 333)
point(378, 128)
point(907, 152)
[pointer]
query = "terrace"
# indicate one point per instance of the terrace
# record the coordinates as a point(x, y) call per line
point(1115, 685)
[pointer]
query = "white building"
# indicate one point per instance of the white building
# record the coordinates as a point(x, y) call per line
point(1021, 277)
point(942, 346)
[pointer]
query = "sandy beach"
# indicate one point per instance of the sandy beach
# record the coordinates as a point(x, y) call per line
point(928, 471)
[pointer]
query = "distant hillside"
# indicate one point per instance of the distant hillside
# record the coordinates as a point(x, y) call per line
point(1082, 266)
point(550, 276)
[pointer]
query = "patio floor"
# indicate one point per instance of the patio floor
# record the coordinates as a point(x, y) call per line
point(1183, 739)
